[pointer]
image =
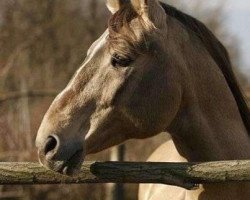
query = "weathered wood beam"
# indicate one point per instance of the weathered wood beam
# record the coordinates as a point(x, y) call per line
point(186, 175)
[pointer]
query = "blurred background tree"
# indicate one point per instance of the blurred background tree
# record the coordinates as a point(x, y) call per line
point(42, 43)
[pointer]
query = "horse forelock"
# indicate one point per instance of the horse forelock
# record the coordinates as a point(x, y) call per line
point(124, 38)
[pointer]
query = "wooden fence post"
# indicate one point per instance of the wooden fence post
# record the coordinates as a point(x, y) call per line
point(115, 191)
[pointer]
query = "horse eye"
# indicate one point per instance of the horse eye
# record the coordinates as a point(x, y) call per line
point(120, 61)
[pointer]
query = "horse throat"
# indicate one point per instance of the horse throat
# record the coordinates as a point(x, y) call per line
point(199, 137)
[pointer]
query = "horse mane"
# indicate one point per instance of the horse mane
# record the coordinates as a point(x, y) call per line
point(218, 53)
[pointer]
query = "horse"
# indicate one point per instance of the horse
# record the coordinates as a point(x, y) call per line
point(155, 69)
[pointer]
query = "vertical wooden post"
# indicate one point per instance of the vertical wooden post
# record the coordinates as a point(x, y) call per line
point(116, 191)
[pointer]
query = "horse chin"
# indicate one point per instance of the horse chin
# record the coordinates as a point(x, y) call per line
point(68, 167)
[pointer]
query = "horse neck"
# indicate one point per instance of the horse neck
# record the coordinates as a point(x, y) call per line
point(209, 125)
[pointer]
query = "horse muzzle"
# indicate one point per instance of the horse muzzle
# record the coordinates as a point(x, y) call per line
point(65, 158)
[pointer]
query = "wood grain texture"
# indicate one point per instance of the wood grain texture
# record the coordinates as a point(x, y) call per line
point(186, 175)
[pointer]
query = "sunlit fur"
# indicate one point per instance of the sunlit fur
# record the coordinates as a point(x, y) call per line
point(180, 81)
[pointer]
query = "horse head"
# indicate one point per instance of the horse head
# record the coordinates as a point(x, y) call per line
point(127, 87)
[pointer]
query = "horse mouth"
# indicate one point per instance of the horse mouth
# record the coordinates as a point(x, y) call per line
point(67, 167)
point(72, 165)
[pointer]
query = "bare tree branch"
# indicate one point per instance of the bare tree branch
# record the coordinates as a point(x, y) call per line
point(12, 195)
point(25, 45)
point(248, 94)
point(17, 95)
point(10, 154)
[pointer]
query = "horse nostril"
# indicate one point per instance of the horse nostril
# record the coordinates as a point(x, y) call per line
point(50, 145)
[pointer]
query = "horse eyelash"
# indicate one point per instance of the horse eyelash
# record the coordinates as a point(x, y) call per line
point(121, 61)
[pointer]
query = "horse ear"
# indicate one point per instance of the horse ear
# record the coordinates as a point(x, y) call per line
point(115, 5)
point(152, 10)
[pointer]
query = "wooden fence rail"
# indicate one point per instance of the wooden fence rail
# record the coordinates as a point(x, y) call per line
point(186, 175)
